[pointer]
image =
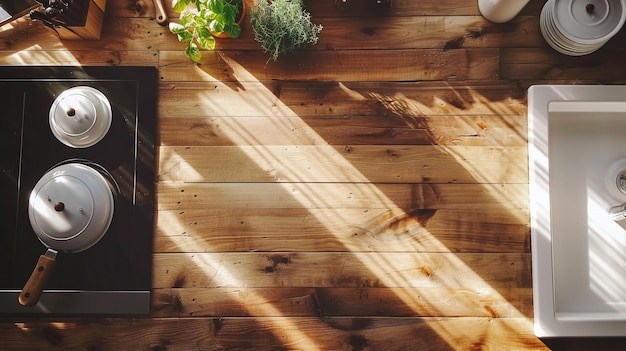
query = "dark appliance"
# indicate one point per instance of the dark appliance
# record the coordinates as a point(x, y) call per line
point(113, 277)
point(12, 9)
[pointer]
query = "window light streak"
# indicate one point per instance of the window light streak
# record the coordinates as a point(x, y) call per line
point(6, 27)
point(169, 160)
point(607, 244)
point(220, 276)
point(338, 169)
point(36, 54)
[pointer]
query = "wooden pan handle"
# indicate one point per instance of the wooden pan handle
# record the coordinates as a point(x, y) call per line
point(161, 16)
point(34, 286)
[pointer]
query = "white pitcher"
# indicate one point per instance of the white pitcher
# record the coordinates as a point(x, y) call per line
point(500, 11)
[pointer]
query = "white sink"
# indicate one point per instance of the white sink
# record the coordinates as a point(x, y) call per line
point(577, 147)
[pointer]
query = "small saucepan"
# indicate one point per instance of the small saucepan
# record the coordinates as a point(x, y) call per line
point(70, 209)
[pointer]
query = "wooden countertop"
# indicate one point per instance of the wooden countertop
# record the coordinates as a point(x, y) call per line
point(367, 193)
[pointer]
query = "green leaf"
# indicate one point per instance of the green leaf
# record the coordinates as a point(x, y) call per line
point(233, 30)
point(230, 13)
point(187, 18)
point(216, 26)
point(183, 34)
point(201, 19)
point(205, 39)
point(215, 6)
point(180, 5)
point(193, 52)
point(176, 28)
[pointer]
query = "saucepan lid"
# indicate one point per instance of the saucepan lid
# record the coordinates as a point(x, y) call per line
point(80, 116)
point(71, 207)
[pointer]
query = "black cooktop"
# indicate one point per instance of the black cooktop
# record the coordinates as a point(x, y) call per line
point(114, 276)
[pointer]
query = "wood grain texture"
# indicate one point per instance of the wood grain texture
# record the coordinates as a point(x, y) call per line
point(366, 193)
point(320, 269)
point(342, 230)
point(183, 196)
point(358, 163)
point(346, 131)
point(274, 333)
point(399, 64)
point(338, 301)
point(241, 95)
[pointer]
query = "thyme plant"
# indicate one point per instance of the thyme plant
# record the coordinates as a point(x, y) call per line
point(281, 26)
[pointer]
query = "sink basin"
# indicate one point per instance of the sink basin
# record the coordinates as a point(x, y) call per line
point(577, 148)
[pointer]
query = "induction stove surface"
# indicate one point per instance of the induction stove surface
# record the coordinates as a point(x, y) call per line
point(114, 276)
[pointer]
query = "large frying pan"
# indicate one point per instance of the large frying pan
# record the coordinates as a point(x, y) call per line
point(70, 209)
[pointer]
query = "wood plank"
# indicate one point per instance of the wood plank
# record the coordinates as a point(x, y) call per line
point(403, 103)
point(188, 196)
point(358, 163)
point(350, 65)
point(80, 58)
point(341, 230)
point(429, 302)
point(445, 32)
point(466, 130)
point(426, 32)
point(329, 302)
point(235, 302)
point(535, 63)
point(346, 131)
point(273, 333)
point(326, 8)
point(476, 271)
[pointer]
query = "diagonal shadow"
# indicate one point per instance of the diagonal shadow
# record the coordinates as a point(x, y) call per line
point(262, 156)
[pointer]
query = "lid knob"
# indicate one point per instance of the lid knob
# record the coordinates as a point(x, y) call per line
point(59, 206)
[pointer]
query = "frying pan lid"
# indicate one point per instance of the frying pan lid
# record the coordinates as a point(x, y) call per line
point(71, 207)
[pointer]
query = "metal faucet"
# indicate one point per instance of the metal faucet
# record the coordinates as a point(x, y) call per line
point(618, 212)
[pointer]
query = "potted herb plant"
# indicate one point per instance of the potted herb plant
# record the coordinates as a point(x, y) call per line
point(200, 21)
point(281, 26)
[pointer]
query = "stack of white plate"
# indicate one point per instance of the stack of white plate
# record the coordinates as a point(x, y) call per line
point(580, 27)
